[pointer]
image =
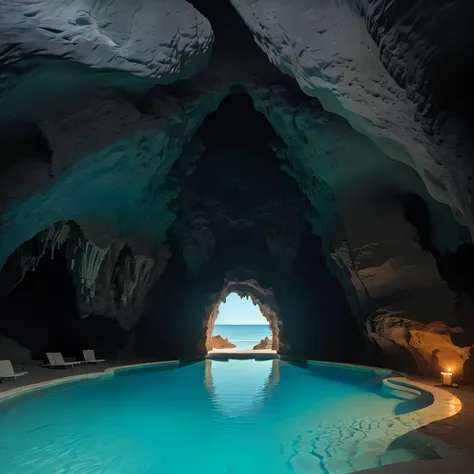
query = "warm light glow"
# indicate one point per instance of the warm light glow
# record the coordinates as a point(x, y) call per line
point(446, 379)
point(449, 370)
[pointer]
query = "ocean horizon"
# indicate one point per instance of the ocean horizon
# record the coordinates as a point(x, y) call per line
point(244, 336)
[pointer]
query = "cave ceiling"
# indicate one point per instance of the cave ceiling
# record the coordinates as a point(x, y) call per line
point(158, 144)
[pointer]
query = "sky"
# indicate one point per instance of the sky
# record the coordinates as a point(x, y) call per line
point(237, 310)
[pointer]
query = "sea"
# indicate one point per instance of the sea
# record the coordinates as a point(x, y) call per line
point(242, 335)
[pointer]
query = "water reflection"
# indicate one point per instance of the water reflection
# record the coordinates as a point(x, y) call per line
point(239, 388)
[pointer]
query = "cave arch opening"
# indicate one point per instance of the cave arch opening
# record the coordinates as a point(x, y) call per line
point(246, 286)
point(240, 324)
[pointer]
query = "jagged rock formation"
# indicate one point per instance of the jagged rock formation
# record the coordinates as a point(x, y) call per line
point(110, 285)
point(430, 345)
point(316, 159)
point(356, 58)
point(218, 342)
point(263, 344)
point(109, 281)
point(165, 41)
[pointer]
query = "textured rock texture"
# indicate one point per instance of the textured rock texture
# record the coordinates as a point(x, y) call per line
point(108, 281)
point(263, 344)
point(356, 58)
point(218, 342)
point(430, 345)
point(165, 40)
point(313, 156)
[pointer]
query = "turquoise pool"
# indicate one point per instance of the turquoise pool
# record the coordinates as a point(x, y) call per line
point(212, 417)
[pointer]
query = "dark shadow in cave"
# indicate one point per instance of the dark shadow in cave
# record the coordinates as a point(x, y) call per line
point(45, 303)
point(456, 268)
point(233, 39)
point(39, 311)
point(242, 218)
point(160, 333)
point(449, 73)
point(103, 334)
point(316, 316)
point(20, 140)
point(244, 126)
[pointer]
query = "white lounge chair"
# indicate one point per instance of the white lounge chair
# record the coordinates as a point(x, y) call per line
point(89, 357)
point(56, 360)
point(7, 372)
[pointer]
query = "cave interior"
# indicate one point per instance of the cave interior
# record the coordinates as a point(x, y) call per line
point(134, 201)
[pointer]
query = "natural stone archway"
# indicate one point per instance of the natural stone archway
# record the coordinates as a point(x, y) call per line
point(261, 297)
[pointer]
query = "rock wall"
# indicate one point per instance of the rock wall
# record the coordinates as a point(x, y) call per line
point(108, 281)
point(329, 49)
point(166, 41)
point(401, 286)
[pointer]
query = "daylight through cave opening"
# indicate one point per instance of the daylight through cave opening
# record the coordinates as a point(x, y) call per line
point(241, 325)
point(246, 296)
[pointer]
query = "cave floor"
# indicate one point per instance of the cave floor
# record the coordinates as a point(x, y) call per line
point(456, 431)
point(38, 374)
point(242, 351)
point(457, 465)
point(226, 354)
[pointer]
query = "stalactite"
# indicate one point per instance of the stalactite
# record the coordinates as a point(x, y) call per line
point(92, 258)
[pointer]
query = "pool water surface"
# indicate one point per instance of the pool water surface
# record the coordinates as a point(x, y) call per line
point(213, 417)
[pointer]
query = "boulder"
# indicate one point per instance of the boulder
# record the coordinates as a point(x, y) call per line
point(263, 344)
point(218, 342)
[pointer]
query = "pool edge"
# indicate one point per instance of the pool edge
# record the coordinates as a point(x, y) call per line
point(444, 405)
point(108, 372)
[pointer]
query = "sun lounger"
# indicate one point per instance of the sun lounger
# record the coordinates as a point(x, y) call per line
point(56, 360)
point(89, 357)
point(7, 372)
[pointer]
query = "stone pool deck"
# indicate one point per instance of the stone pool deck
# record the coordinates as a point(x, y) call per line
point(242, 354)
point(43, 375)
point(242, 351)
point(456, 431)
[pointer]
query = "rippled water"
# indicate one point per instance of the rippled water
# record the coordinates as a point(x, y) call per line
point(236, 417)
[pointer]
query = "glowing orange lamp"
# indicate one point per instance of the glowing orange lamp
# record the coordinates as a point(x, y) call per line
point(447, 378)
